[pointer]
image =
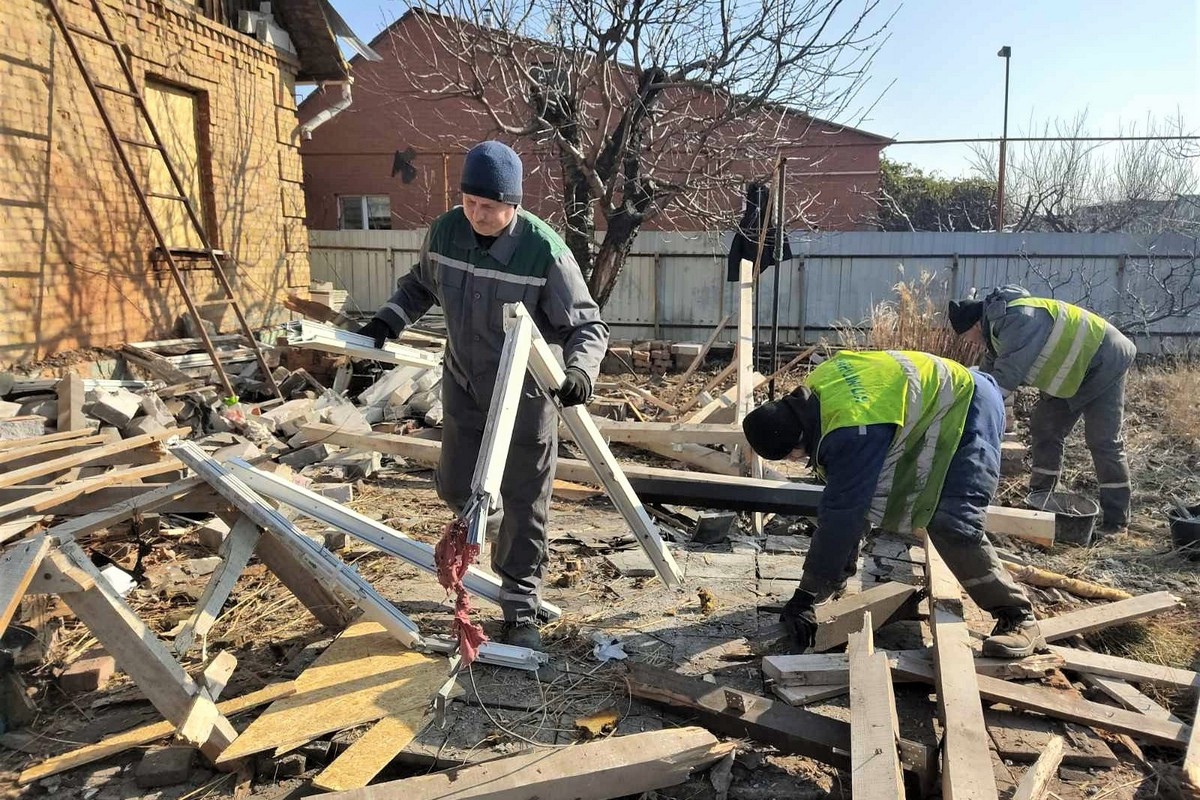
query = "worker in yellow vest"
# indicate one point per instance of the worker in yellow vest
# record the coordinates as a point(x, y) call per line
point(1078, 361)
point(903, 440)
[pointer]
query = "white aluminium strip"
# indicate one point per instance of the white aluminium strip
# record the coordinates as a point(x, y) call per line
point(495, 653)
point(389, 540)
point(316, 557)
point(331, 339)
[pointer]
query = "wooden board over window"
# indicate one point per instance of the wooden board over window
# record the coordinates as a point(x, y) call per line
point(175, 113)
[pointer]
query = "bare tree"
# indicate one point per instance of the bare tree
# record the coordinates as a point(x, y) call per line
point(651, 108)
point(1076, 186)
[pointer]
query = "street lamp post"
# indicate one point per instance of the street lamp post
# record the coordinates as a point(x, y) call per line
point(1004, 52)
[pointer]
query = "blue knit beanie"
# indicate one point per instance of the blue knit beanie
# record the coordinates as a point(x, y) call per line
point(493, 170)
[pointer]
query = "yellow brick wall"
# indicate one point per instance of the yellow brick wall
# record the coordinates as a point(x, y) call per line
point(74, 245)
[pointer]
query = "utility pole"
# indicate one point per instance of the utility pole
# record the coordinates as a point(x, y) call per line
point(1004, 52)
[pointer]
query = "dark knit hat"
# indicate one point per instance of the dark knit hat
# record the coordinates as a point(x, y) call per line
point(776, 429)
point(964, 314)
point(493, 170)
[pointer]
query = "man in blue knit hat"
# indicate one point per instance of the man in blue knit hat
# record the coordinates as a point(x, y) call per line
point(476, 258)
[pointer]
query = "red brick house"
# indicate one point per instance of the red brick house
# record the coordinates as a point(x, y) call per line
point(75, 250)
point(392, 159)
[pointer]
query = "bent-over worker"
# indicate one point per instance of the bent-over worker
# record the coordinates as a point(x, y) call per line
point(476, 258)
point(903, 440)
point(1078, 361)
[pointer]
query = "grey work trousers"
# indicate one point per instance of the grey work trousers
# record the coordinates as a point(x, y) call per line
point(1103, 423)
point(516, 531)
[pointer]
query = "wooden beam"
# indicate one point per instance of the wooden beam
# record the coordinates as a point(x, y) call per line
point(90, 456)
point(235, 552)
point(50, 499)
point(216, 674)
point(39, 448)
point(145, 734)
point(814, 669)
point(727, 399)
point(18, 564)
point(621, 765)
point(874, 726)
point(713, 383)
point(119, 512)
point(670, 433)
point(1021, 523)
point(838, 619)
point(1191, 759)
point(649, 397)
point(790, 730)
point(1126, 669)
point(966, 756)
point(1106, 615)
point(1128, 697)
point(1064, 706)
point(71, 396)
point(699, 359)
point(13, 444)
point(137, 650)
point(1036, 780)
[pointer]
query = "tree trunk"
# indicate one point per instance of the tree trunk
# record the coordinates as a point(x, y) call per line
point(610, 258)
point(579, 231)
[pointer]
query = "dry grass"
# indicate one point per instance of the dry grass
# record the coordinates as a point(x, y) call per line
point(1176, 408)
point(915, 320)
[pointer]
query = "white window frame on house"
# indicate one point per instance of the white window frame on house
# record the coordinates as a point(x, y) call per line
point(364, 210)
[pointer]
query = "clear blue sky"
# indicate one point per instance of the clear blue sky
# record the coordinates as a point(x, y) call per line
point(1117, 59)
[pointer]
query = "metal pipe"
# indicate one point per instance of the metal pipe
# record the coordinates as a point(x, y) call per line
point(320, 119)
point(779, 234)
point(1005, 53)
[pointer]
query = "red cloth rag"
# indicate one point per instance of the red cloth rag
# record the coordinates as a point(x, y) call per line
point(453, 556)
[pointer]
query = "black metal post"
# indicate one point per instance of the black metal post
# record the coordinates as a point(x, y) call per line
point(779, 234)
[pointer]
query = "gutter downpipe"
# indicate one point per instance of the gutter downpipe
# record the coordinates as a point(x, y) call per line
point(320, 119)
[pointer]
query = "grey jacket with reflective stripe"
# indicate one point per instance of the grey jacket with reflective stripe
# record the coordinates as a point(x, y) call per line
point(1015, 336)
point(527, 263)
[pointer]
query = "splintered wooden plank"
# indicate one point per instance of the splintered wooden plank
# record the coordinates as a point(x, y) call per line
point(810, 693)
point(44, 448)
point(89, 456)
point(18, 564)
point(966, 757)
point(235, 553)
point(12, 444)
point(838, 619)
point(699, 359)
point(126, 509)
point(1064, 706)
point(137, 650)
point(874, 726)
point(1128, 697)
point(1125, 668)
point(373, 751)
point(790, 730)
point(363, 676)
point(145, 734)
point(635, 764)
point(1036, 780)
point(1106, 615)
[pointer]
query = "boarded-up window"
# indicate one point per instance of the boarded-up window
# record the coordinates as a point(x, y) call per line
point(176, 114)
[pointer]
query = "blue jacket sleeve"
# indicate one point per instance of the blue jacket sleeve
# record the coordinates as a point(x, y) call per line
point(852, 459)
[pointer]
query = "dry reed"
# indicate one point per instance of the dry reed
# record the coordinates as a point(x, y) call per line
point(914, 320)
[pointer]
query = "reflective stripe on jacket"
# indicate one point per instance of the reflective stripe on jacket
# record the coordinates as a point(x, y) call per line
point(1063, 360)
point(925, 396)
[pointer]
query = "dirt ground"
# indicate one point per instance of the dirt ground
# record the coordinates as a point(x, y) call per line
point(504, 711)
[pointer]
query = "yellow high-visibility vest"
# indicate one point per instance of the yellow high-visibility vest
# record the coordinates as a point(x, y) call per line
point(1059, 368)
point(925, 396)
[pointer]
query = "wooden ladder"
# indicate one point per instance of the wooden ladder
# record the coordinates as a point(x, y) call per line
point(104, 36)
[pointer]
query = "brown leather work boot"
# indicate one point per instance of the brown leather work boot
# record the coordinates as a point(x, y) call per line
point(1015, 636)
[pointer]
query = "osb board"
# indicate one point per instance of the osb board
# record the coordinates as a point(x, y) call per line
point(363, 676)
point(372, 752)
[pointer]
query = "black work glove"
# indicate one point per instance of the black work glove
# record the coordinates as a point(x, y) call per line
point(576, 388)
point(378, 330)
point(799, 619)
